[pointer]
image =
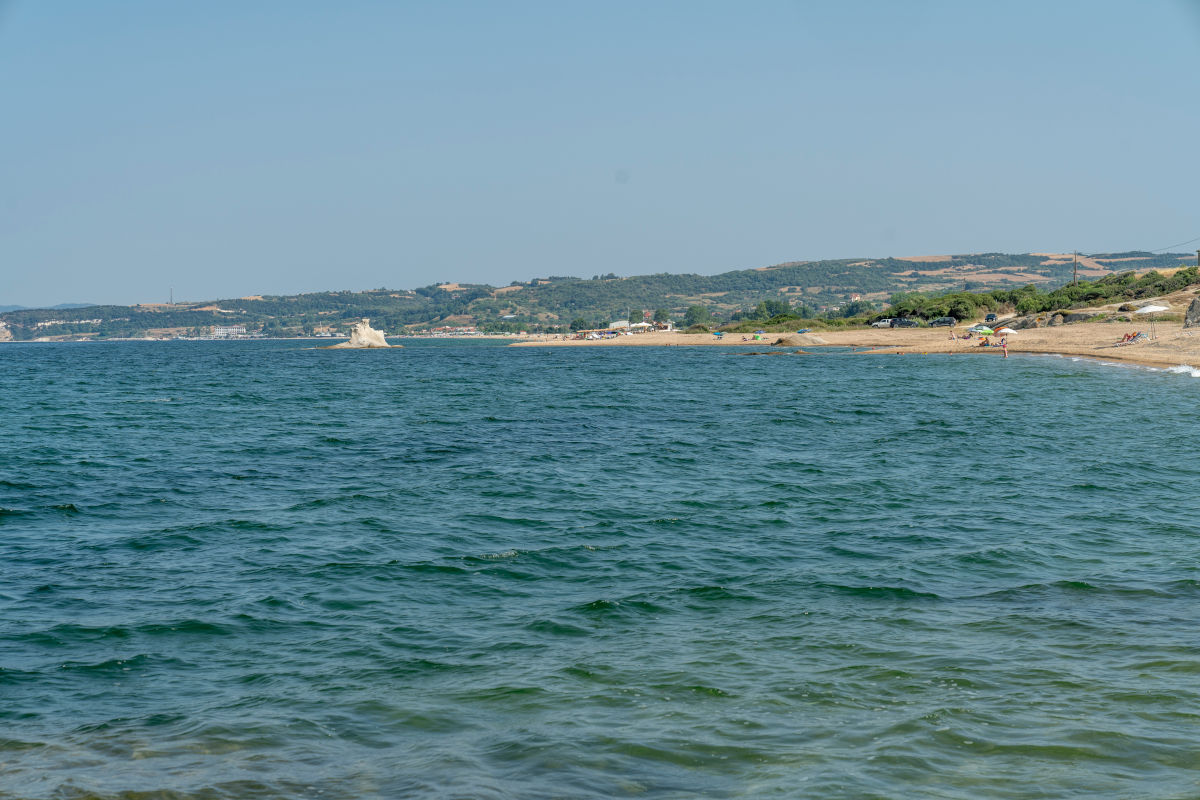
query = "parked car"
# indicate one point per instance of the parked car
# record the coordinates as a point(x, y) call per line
point(906, 322)
point(942, 321)
point(883, 323)
point(990, 318)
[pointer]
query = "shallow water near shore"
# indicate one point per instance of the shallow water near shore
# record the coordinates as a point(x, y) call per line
point(457, 569)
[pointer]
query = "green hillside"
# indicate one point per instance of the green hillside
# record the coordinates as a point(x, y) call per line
point(835, 287)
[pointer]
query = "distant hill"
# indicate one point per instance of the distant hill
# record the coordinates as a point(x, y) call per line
point(58, 307)
point(557, 302)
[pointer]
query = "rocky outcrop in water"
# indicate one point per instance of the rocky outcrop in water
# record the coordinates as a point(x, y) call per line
point(363, 336)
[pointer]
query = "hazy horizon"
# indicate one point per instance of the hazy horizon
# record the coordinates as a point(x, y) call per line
point(185, 300)
point(232, 150)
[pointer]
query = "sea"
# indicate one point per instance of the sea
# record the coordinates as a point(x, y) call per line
point(466, 570)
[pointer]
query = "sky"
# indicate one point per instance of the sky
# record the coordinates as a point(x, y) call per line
point(231, 148)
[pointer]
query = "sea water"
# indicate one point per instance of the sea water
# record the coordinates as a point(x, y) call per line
point(259, 570)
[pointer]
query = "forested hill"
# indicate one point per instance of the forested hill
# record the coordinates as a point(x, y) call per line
point(558, 302)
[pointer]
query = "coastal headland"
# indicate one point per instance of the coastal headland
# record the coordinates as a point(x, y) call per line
point(1173, 346)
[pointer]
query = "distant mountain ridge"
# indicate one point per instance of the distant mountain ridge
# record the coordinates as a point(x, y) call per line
point(558, 302)
point(58, 307)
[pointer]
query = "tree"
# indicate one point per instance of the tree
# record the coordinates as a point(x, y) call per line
point(960, 309)
point(661, 315)
point(857, 308)
point(697, 315)
point(579, 324)
point(772, 308)
point(1029, 304)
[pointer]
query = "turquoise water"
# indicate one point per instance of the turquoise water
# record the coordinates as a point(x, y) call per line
point(461, 570)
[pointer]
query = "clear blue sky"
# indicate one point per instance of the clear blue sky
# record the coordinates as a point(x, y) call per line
point(227, 148)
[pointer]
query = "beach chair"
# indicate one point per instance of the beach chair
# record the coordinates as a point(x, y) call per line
point(1137, 337)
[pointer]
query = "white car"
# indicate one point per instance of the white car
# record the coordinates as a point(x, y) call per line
point(882, 323)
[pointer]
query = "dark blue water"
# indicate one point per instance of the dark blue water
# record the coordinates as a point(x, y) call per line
point(253, 570)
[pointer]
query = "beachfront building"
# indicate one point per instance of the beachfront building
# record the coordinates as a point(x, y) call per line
point(226, 331)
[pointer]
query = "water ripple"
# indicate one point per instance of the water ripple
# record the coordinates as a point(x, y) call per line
point(492, 573)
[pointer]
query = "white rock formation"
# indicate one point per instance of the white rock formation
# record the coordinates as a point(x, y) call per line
point(362, 335)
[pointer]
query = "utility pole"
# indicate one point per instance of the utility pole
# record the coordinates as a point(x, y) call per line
point(172, 295)
point(1075, 270)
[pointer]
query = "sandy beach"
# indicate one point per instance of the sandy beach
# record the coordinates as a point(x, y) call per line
point(1172, 347)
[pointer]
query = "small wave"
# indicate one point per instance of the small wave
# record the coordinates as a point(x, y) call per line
point(114, 666)
point(435, 569)
point(718, 594)
point(1079, 587)
point(9, 676)
point(322, 502)
point(504, 694)
point(10, 745)
point(881, 592)
point(73, 632)
point(617, 608)
point(166, 541)
point(497, 556)
point(556, 628)
point(1184, 369)
point(186, 626)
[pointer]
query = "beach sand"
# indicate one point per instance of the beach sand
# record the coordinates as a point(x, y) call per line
point(1172, 347)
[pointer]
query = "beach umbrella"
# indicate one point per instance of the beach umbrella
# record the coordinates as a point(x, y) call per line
point(1151, 310)
point(984, 331)
point(1006, 330)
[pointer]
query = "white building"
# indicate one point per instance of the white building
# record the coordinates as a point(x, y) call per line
point(225, 331)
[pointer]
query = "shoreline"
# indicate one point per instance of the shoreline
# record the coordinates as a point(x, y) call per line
point(1093, 340)
point(1172, 347)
